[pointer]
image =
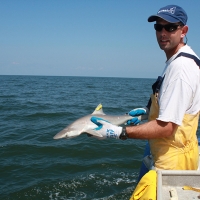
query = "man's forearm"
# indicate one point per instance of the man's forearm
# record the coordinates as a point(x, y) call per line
point(151, 130)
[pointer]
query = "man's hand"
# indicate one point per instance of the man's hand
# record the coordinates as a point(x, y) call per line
point(105, 129)
point(134, 113)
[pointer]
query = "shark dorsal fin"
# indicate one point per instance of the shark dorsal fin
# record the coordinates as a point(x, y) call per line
point(98, 110)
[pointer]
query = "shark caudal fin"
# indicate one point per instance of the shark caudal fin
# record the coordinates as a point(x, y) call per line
point(98, 110)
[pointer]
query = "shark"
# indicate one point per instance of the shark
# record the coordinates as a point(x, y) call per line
point(82, 124)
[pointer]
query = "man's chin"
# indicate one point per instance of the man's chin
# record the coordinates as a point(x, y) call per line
point(164, 47)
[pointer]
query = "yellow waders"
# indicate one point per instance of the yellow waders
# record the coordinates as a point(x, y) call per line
point(176, 152)
point(146, 188)
point(180, 150)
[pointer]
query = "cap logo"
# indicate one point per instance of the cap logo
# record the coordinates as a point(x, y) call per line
point(171, 10)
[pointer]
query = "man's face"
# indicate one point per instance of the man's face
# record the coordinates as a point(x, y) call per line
point(169, 41)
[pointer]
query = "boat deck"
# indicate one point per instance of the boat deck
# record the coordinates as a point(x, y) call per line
point(170, 184)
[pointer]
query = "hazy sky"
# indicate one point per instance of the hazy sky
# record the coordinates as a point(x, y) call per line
point(105, 38)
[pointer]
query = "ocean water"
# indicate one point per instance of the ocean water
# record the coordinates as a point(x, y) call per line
point(35, 166)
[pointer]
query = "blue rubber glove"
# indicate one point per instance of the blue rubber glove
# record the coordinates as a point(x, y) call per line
point(105, 129)
point(134, 113)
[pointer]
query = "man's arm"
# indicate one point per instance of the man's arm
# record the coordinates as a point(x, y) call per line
point(151, 130)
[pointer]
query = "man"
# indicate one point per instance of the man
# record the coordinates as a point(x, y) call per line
point(175, 103)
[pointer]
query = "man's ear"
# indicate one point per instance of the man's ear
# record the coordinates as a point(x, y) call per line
point(184, 31)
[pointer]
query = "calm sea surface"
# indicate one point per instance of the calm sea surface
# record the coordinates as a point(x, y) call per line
point(34, 166)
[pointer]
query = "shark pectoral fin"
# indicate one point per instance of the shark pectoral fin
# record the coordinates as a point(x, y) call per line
point(91, 130)
point(93, 133)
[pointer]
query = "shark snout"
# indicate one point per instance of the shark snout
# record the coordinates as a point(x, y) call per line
point(61, 134)
point(58, 136)
point(67, 133)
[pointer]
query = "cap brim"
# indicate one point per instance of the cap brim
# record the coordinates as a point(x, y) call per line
point(153, 18)
point(167, 18)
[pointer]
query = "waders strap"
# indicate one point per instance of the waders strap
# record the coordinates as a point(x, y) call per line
point(196, 60)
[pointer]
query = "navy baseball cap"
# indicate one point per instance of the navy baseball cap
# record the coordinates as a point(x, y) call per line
point(170, 13)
